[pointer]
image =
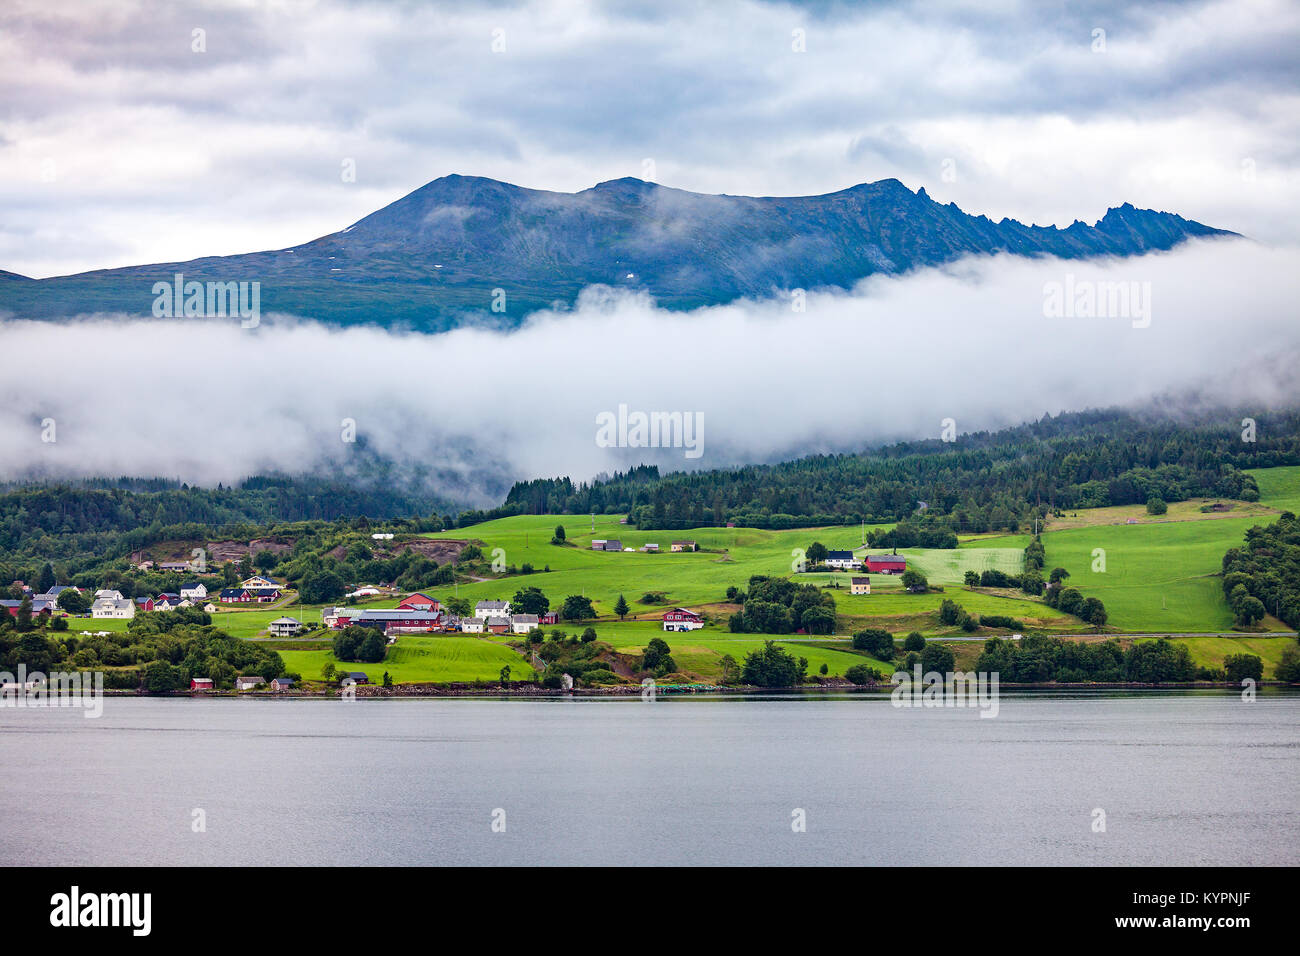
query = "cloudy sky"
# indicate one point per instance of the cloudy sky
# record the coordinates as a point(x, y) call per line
point(144, 132)
point(149, 131)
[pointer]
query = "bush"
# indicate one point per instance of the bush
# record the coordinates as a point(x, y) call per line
point(862, 674)
point(1156, 506)
point(937, 658)
point(914, 642)
point(999, 620)
point(878, 643)
point(1238, 667)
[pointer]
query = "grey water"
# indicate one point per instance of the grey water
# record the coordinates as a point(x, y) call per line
point(1061, 779)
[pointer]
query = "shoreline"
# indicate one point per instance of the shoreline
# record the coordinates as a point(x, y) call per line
point(418, 691)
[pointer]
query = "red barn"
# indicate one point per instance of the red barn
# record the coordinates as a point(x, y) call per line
point(886, 563)
point(420, 602)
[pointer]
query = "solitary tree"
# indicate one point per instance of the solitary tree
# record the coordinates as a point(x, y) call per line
point(621, 608)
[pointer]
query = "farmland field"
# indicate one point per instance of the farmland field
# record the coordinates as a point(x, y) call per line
point(949, 566)
point(1158, 577)
point(1279, 487)
point(416, 658)
point(1163, 575)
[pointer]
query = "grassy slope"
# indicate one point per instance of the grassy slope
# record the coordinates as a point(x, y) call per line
point(1161, 575)
point(416, 659)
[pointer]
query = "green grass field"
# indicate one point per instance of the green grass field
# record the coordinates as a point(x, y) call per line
point(686, 578)
point(1160, 576)
point(1279, 487)
point(1163, 575)
point(416, 659)
point(1210, 651)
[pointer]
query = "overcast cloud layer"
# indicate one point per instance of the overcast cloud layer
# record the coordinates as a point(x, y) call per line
point(120, 145)
point(210, 401)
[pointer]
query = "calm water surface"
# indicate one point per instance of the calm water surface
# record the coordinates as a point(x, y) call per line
point(1182, 779)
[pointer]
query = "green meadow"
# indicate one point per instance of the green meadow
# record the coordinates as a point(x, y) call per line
point(1210, 651)
point(1279, 487)
point(1159, 576)
point(1163, 575)
point(420, 659)
point(731, 555)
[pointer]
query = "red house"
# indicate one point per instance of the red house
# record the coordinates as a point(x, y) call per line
point(201, 683)
point(419, 602)
point(550, 617)
point(886, 563)
point(680, 619)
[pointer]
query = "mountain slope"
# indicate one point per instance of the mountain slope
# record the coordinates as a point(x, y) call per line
point(436, 255)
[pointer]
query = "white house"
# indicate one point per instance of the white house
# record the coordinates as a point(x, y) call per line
point(523, 623)
point(842, 559)
point(194, 591)
point(860, 586)
point(108, 595)
point(248, 683)
point(472, 625)
point(107, 607)
point(284, 627)
point(487, 609)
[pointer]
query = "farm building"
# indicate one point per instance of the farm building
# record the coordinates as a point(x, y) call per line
point(497, 625)
point(886, 563)
point(613, 545)
point(420, 602)
point(523, 623)
point(650, 548)
point(598, 544)
point(144, 604)
point(842, 559)
point(201, 683)
point(282, 683)
point(38, 607)
point(284, 627)
point(487, 609)
point(243, 595)
point(394, 621)
point(683, 546)
point(357, 677)
point(680, 619)
point(860, 586)
point(363, 592)
point(550, 617)
point(248, 683)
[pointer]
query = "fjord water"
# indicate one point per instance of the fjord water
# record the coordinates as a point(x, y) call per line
point(1182, 778)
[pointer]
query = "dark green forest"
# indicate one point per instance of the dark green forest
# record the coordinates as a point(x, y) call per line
point(981, 482)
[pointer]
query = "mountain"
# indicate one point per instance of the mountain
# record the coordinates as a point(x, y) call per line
point(433, 258)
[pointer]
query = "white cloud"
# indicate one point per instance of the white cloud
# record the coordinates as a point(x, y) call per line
point(205, 401)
